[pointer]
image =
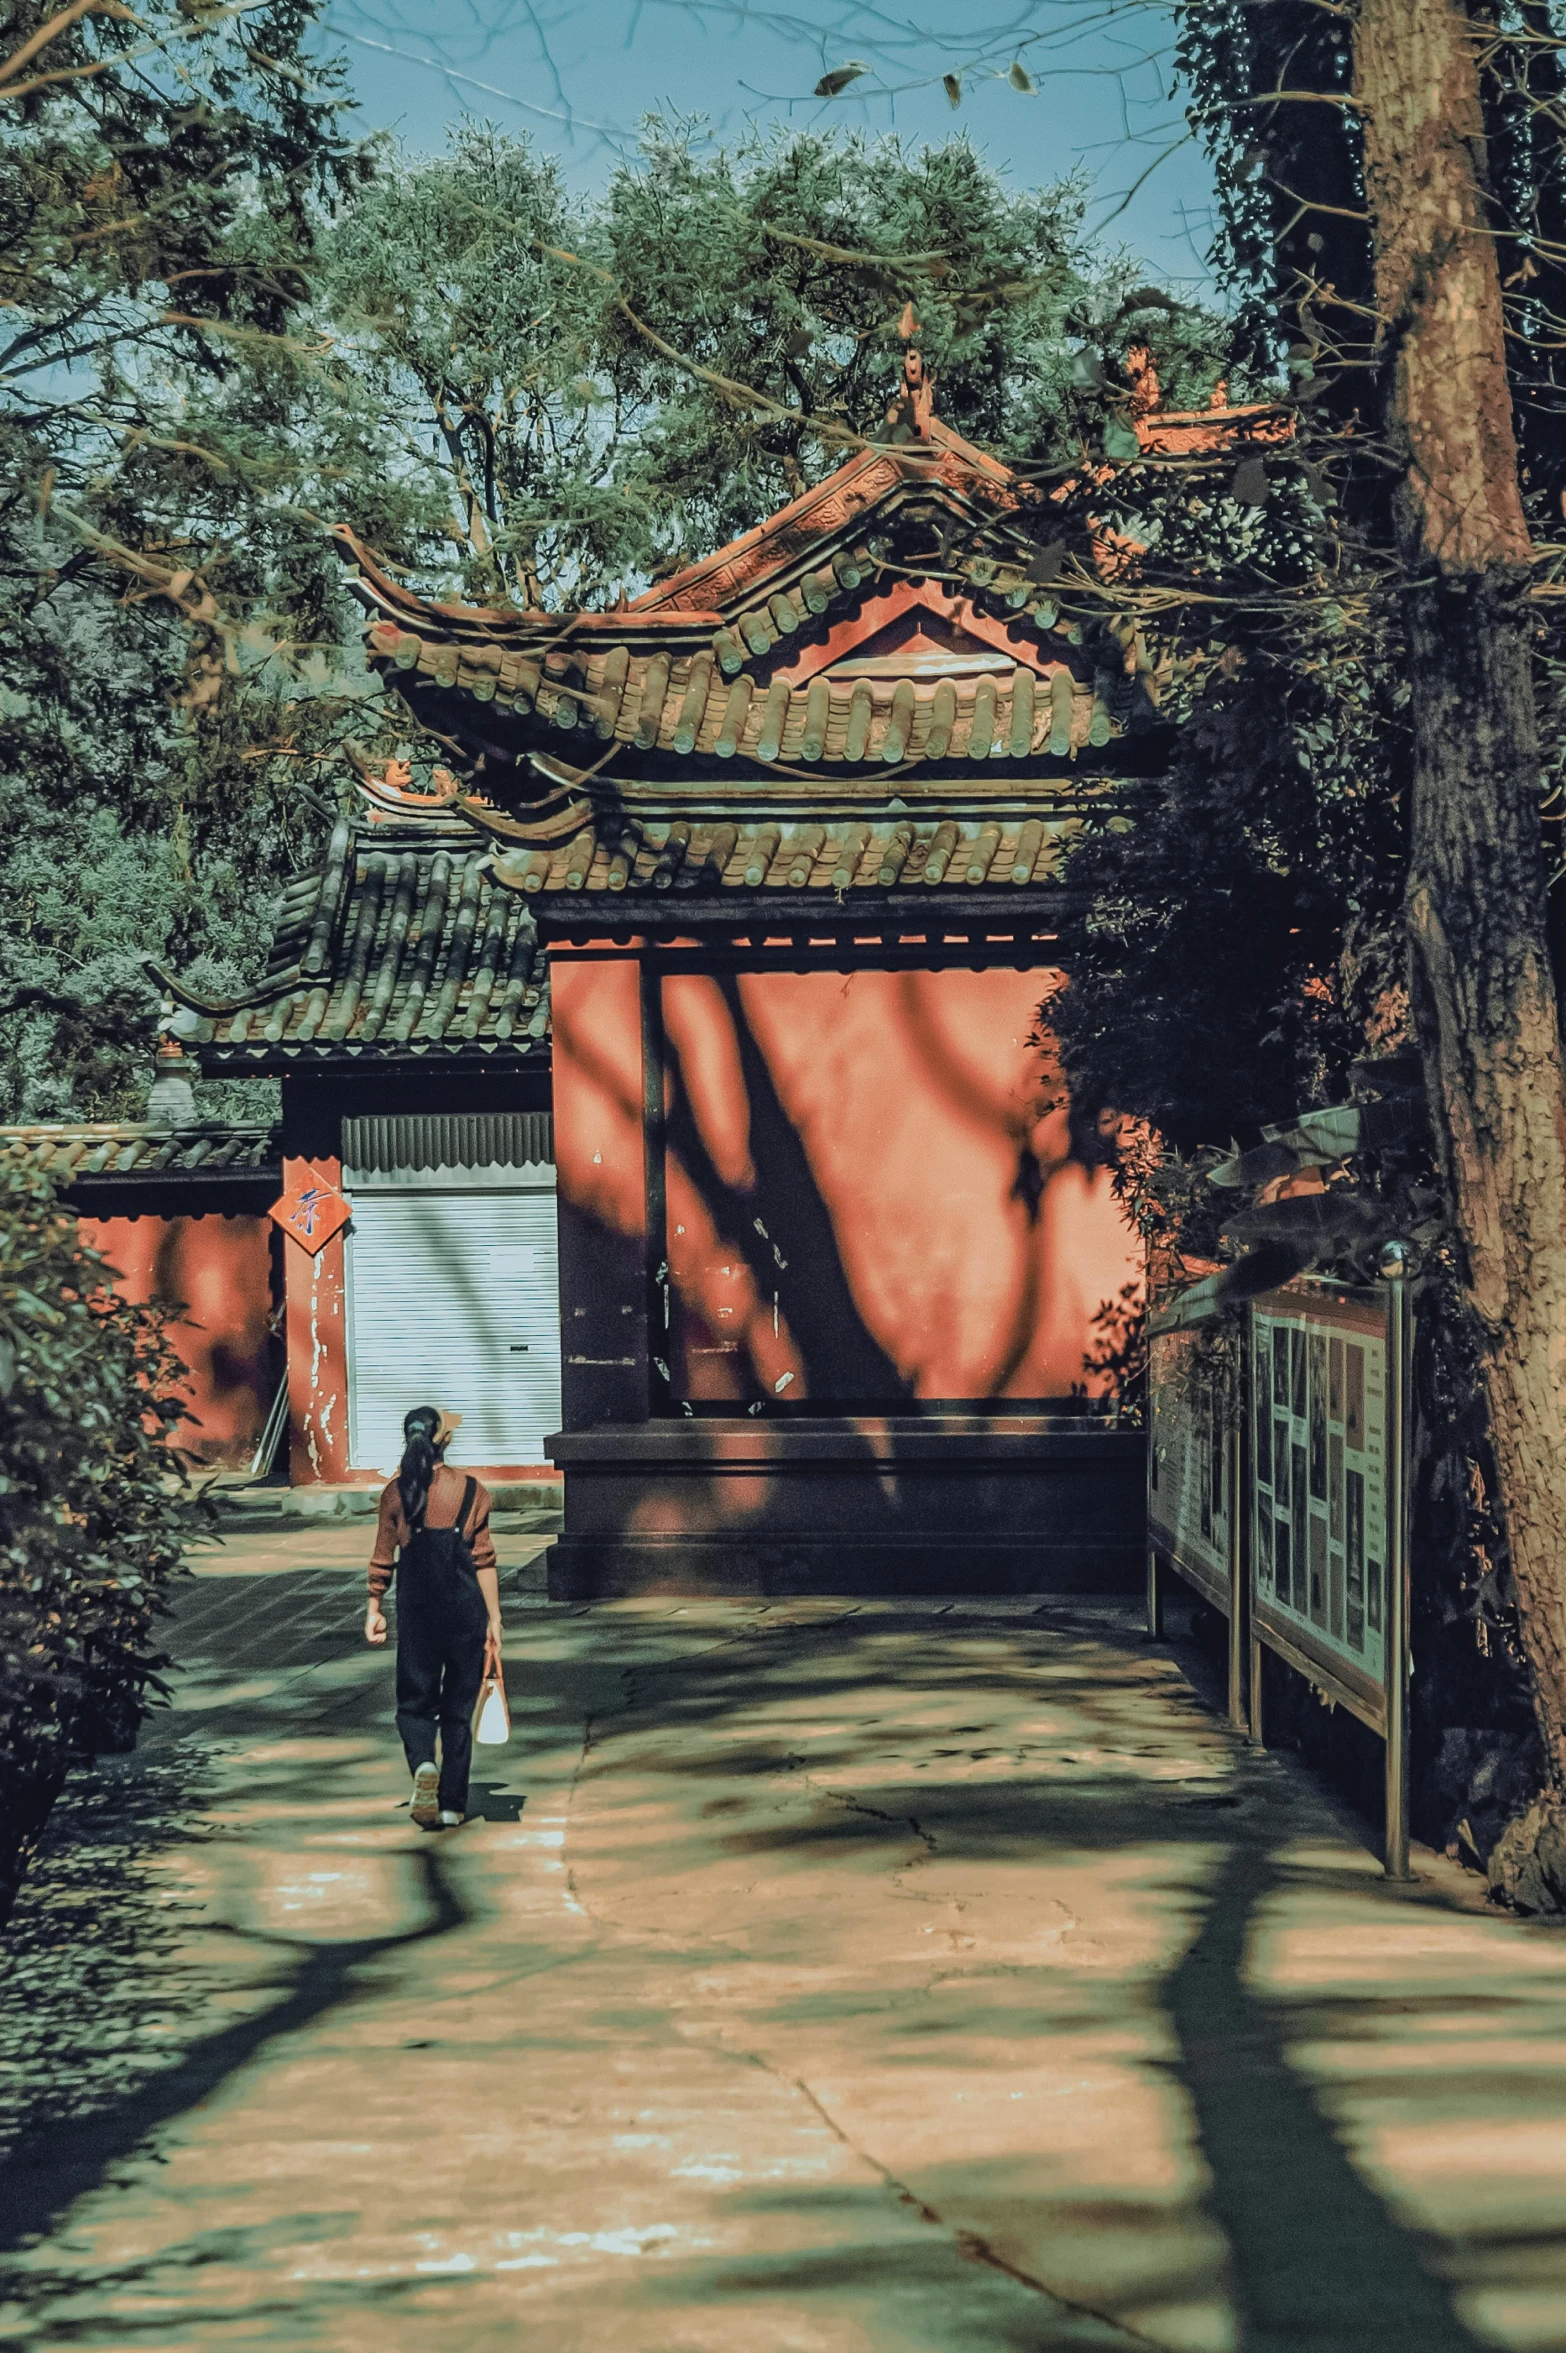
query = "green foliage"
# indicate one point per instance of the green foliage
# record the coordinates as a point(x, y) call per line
point(1244, 942)
point(789, 265)
point(233, 331)
point(92, 1519)
point(475, 350)
point(721, 255)
point(1287, 178)
point(576, 394)
point(1229, 953)
point(166, 594)
point(1293, 243)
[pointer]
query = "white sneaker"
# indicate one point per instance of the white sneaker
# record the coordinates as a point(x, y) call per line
point(426, 1795)
point(449, 1820)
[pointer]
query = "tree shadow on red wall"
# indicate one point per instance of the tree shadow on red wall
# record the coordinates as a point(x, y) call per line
point(797, 1253)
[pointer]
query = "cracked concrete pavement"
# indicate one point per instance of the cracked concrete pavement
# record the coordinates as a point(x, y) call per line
point(932, 1977)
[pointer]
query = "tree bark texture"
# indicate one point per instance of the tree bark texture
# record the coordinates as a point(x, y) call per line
point(1482, 986)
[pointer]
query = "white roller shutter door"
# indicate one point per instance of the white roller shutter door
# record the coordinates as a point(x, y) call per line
point(453, 1300)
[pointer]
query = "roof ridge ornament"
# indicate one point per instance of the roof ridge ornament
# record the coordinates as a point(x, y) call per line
point(910, 413)
point(393, 790)
point(1142, 376)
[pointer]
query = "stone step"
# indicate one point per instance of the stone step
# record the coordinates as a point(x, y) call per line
point(518, 1504)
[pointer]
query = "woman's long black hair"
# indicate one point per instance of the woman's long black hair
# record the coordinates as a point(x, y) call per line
point(418, 1463)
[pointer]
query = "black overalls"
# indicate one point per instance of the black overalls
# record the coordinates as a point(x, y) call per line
point(442, 1625)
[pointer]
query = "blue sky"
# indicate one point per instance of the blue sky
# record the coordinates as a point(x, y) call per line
point(578, 74)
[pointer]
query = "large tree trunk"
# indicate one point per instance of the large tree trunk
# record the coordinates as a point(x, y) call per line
point(1483, 992)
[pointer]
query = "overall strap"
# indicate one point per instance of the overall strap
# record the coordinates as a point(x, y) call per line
point(468, 1493)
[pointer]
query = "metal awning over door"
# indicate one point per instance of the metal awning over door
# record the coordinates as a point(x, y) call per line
point(453, 1293)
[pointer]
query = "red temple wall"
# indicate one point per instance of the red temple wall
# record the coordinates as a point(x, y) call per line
point(317, 1328)
point(218, 1271)
point(600, 1171)
point(595, 1009)
point(871, 1193)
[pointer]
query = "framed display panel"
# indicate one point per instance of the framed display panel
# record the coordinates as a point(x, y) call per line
point(1324, 1488)
point(1195, 1495)
point(1192, 1506)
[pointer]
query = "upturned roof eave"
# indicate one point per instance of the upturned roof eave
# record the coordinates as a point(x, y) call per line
point(504, 625)
point(777, 553)
point(661, 616)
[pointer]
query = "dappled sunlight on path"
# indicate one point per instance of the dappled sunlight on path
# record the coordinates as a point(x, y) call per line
point(820, 1976)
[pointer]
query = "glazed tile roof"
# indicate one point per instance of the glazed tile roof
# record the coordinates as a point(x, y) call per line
point(871, 705)
point(725, 581)
point(105, 1152)
point(401, 942)
point(755, 655)
point(741, 657)
point(814, 554)
point(701, 703)
point(713, 854)
point(421, 935)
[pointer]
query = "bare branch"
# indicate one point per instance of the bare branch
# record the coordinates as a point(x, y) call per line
point(51, 29)
point(850, 255)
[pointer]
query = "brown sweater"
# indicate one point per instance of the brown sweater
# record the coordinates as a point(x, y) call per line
point(441, 1511)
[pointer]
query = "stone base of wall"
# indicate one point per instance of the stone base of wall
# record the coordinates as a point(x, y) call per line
point(949, 1504)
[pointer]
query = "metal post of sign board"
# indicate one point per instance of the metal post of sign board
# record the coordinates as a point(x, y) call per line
point(1239, 1614)
point(1394, 1272)
point(1155, 1598)
point(1256, 1421)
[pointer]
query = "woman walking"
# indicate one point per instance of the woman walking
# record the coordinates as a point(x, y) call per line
point(434, 1534)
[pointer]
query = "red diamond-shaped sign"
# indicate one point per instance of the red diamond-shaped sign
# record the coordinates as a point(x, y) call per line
point(311, 1211)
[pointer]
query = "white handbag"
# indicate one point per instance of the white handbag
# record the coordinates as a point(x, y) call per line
point(492, 1718)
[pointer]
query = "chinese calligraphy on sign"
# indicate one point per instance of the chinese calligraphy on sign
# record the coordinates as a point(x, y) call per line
point(311, 1211)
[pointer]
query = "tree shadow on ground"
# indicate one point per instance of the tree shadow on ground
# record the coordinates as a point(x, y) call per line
point(491, 1800)
point(132, 2300)
point(41, 2181)
point(1317, 2256)
point(890, 2288)
point(94, 1995)
point(89, 1957)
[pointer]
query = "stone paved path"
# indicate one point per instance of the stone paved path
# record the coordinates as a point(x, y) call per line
point(818, 1979)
